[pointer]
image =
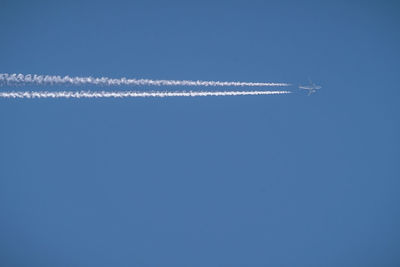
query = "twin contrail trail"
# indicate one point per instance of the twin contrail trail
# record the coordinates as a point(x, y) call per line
point(12, 79)
point(129, 94)
point(46, 80)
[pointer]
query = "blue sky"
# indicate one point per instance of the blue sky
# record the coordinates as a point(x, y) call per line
point(216, 181)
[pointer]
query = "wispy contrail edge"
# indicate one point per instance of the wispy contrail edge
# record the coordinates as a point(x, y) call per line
point(12, 79)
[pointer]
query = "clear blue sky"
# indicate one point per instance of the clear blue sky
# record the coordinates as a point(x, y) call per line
point(230, 181)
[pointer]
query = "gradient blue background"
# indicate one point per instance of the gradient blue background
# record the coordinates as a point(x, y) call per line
point(215, 181)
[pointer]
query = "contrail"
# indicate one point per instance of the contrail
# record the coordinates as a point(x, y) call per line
point(12, 79)
point(129, 94)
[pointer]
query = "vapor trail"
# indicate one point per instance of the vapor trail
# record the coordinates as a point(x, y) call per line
point(11, 79)
point(129, 94)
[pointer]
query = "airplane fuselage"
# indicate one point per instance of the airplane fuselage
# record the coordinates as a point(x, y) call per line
point(310, 87)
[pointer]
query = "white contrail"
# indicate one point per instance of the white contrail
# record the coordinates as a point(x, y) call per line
point(128, 94)
point(11, 79)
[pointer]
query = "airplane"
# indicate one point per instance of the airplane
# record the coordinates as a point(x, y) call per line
point(312, 88)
